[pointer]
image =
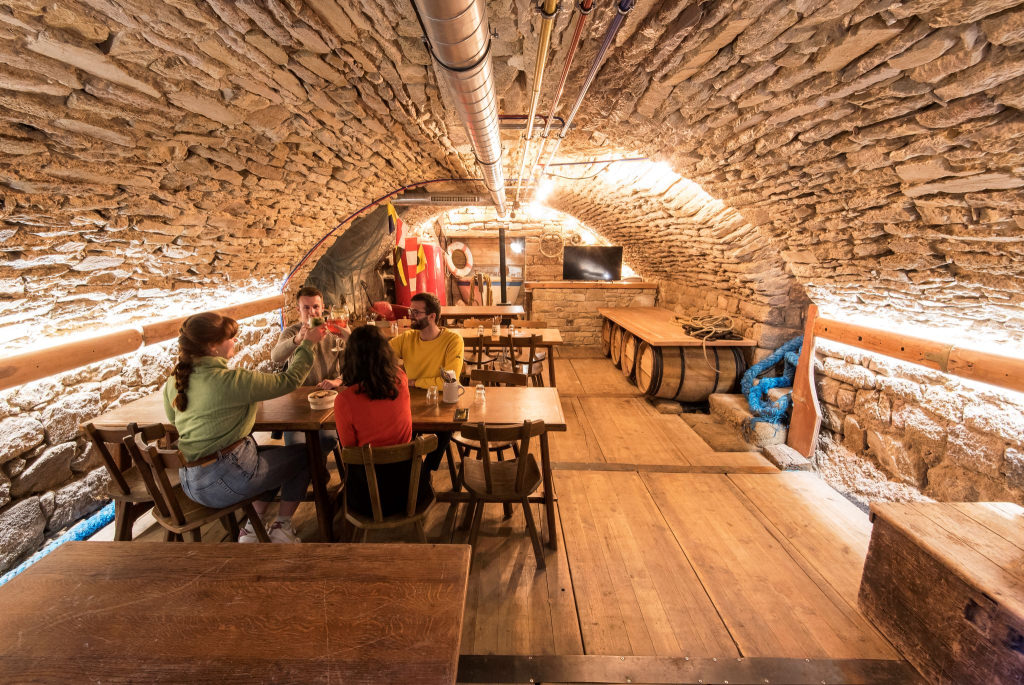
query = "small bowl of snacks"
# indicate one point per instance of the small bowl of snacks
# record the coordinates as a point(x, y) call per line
point(322, 399)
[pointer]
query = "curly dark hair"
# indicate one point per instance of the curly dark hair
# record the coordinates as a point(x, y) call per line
point(195, 336)
point(370, 363)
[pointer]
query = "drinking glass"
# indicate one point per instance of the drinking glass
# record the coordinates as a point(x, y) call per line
point(337, 319)
point(432, 395)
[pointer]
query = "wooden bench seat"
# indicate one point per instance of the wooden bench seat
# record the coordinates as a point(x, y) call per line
point(945, 583)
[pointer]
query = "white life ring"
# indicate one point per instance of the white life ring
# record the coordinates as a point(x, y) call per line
point(450, 262)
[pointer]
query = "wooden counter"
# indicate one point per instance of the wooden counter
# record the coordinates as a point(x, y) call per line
point(657, 327)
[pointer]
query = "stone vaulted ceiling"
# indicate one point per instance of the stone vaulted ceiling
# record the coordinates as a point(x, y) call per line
point(872, 149)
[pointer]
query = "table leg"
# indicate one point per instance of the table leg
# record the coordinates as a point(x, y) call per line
point(551, 365)
point(318, 476)
point(549, 490)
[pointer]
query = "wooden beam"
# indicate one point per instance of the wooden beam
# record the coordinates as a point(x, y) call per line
point(40, 363)
point(985, 367)
point(165, 330)
point(806, 419)
point(47, 361)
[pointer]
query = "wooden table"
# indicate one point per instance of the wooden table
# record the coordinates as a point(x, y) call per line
point(229, 613)
point(658, 327)
point(461, 312)
point(289, 412)
point(503, 405)
point(550, 338)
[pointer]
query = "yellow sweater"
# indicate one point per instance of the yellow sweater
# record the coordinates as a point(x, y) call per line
point(423, 360)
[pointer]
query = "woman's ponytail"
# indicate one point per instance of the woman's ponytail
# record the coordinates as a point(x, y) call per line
point(195, 336)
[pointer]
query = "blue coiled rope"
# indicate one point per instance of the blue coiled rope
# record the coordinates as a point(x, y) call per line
point(79, 531)
point(757, 389)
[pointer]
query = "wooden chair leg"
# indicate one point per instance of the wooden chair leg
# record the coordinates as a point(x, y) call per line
point(421, 533)
point(478, 514)
point(122, 522)
point(452, 471)
point(467, 518)
point(538, 551)
point(196, 535)
point(170, 536)
point(363, 535)
point(231, 526)
point(257, 522)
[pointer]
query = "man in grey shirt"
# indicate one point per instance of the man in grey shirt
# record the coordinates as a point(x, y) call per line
point(325, 373)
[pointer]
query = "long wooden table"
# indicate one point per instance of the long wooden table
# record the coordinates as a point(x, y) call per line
point(550, 339)
point(461, 312)
point(289, 412)
point(658, 327)
point(227, 613)
point(503, 405)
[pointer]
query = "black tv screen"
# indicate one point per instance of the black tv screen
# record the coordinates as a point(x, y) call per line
point(591, 263)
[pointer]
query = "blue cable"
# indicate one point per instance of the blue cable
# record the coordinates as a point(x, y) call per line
point(756, 389)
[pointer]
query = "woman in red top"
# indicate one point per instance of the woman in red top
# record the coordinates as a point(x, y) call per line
point(374, 409)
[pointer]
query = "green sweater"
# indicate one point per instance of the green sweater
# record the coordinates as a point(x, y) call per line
point(222, 401)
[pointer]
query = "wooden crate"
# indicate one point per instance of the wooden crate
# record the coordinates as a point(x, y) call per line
point(945, 583)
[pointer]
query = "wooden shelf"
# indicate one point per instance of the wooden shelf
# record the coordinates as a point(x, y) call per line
point(658, 328)
point(574, 285)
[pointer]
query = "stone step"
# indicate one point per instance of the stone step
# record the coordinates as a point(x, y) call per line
point(733, 409)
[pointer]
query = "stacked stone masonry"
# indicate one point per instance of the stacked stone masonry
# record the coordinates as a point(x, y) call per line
point(946, 438)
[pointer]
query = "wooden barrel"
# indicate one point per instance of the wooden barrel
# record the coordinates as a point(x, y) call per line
point(627, 357)
point(682, 373)
point(615, 344)
point(606, 336)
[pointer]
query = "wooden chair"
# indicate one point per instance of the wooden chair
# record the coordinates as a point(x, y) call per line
point(172, 508)
point(522, 350)
point(491, 379)
point(477, 355)
point(126, 487)
point(367, 457)
point(504, 482)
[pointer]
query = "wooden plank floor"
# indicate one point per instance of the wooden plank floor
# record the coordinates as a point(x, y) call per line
point(666, 548)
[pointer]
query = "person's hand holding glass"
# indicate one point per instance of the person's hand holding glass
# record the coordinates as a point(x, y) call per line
point(337, 325)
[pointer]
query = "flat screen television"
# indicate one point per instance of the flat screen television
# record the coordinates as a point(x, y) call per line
point(591, 263)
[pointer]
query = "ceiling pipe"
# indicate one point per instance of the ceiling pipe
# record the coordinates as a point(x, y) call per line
point(459, 39)
point(624, 7)
point(585, 7)
point(548, 10)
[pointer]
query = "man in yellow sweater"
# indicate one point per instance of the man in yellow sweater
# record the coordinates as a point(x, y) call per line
point(424, 351)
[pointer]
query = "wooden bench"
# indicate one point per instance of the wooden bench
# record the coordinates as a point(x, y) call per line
point(653, 351)
point(945, 583)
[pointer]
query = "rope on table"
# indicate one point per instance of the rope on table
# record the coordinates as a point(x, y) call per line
point(708, 327)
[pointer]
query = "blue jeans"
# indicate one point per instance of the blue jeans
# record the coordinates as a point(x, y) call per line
point(328, 440)
point(243, 473)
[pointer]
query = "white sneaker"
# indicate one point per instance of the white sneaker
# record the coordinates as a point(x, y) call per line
point(246, 534)
point(283, 533)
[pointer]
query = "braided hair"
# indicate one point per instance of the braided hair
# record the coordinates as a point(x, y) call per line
point(370, 363)
point(195, 336)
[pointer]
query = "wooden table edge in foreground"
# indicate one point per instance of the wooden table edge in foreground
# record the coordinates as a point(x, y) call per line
point(154, 612)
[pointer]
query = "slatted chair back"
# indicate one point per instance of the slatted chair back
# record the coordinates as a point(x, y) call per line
point(368, 456)
point(495, 379)
point(505, 479)
point(522, 349)
point(155, 462)
point(476, 323)
point(531, 324)
point(116, 461)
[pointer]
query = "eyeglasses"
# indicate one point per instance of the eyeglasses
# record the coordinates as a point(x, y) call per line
point(416, 313)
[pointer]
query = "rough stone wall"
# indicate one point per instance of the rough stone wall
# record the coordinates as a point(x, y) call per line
point(574, 310)
point(50, 474)
point(768, 321)
point(948, 439)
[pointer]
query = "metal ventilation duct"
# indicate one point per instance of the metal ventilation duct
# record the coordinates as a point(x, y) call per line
point(442, 200)
point(460, 41)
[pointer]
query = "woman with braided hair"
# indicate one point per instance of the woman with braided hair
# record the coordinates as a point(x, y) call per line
point(213, 409)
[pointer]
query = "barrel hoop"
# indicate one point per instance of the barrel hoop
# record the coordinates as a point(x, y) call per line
point(718, 370)
point(741, 366)
point(657, 369)
point(682, 371)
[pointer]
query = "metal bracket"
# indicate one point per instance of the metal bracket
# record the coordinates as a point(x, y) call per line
point(554, 12)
